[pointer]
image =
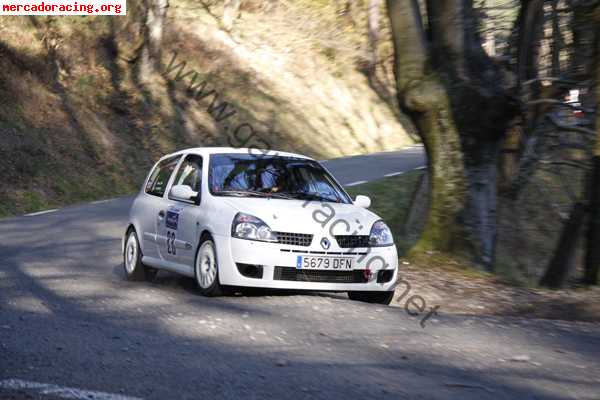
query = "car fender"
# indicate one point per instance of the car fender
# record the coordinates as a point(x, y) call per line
point(134, 223)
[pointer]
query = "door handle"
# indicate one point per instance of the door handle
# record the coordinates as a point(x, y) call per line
point(161, 214)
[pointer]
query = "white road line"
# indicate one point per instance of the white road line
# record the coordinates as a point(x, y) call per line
point(423, 167)
point(41, 212)
point(393, 174)
point(355, 183)
point(101, 201)
point(59, 391)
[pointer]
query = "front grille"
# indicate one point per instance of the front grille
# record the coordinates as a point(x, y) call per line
point(352, 241)
point(294, 239)
point(299, 275)
point(330, 253)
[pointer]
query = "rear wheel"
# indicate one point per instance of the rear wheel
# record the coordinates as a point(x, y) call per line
point(206, 268)
point(132, 260)
point(372, 297)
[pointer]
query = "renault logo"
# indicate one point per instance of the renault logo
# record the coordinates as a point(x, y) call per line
point(325, 243)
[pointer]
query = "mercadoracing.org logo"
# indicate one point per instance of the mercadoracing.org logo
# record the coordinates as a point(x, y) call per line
point(63, 7)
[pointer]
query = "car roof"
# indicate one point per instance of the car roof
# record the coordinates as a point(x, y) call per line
point(206, 151)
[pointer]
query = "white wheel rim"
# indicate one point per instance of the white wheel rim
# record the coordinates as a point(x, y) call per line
point(131, 253)
point(206, 265)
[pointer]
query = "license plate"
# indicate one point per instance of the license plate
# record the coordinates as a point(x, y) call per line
point(329, 263)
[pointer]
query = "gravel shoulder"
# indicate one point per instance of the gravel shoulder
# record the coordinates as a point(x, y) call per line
point(466, 292)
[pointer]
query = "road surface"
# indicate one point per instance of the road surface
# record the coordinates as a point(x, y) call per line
point(72, 327)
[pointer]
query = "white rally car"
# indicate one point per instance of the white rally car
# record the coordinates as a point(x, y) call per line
point(241, 218)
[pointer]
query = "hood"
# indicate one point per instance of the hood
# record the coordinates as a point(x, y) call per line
point(300, 216)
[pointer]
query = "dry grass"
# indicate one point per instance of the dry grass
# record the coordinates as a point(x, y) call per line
point(92, 129)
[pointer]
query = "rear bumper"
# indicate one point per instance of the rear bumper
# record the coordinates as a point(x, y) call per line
point(278, 265)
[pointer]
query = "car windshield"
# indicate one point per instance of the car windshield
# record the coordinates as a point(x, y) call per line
point(246, 175)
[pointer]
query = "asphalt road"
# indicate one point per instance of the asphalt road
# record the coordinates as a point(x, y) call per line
point(72, 327)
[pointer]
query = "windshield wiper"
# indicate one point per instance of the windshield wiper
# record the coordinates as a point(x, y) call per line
point(239, 193)
point(313, 196)
point(280, 196)
point(255, 193)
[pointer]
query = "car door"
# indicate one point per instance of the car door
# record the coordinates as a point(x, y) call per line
point(181, 226)
point(153, 201)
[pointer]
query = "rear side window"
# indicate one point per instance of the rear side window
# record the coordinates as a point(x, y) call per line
point(157, 183)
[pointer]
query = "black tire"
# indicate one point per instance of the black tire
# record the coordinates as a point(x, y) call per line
point(207, 287)
point(135, 270)
point(372, 297)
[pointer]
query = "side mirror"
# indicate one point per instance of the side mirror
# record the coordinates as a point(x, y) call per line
point(362, 201)
point(183, 193)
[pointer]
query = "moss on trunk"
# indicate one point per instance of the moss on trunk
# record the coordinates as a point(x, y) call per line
point(454, 94)
point(446, 168)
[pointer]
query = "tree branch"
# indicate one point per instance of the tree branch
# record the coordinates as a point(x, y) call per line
point(567, 127)
point(410, 42)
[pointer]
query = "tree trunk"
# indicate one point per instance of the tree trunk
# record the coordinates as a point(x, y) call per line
point(373, 32)
point(231, 11)
point(156, 15)
point(559, 267)
point(480, 216)
point(509, 159)
point(556, 40)
point(582, 55)
point(527, 35)
point(592, 259)
point(461, 112)
point(531, 30)
point(423, 97)
point(592, 256)
point(530, 27)
point(490, 42)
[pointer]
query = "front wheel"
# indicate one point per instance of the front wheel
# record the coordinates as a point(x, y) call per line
point(206, 268)
point(132, 260)
point(372, 297)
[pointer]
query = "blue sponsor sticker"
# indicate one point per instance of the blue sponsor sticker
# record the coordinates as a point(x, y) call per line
point(299, 262)
point(172, 219)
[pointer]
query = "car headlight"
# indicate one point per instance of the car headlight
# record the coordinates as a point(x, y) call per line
point(380, 235)
point(249, 227)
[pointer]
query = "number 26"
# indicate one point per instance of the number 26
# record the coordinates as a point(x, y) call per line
point(171, 249)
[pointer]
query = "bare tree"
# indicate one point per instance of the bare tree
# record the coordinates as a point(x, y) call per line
point(556, 40)
point(592, 259)
point(373, 33)
point(231, 11)
point(582, 27)
point(558, 269)
point(580, 71)
point(458, 100)
point(154, 23)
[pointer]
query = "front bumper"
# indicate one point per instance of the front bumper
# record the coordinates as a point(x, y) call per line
point(278, 262)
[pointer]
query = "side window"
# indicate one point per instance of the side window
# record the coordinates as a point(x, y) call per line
point(157, 183)
point(190, 173)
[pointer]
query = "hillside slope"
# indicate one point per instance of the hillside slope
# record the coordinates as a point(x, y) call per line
point(80, 121)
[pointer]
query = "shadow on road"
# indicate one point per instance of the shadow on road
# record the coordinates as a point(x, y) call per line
point(68, 317)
